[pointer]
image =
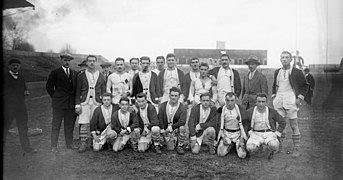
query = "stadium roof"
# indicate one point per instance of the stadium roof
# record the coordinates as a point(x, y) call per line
point(9, 4)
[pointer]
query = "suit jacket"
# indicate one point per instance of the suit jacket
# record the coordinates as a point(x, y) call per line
point(182, 82)
point(116, 125)
point(274, 117)
point(106, 77)
point(236, 79)
point(83, 87)
point(97, 122)
point(13, 92)
point(188, 84)
point(179, 117)
point(194, 119)
point(244, 118)
point(61, 88)
point(311, 83)
point(152, 116)
point(153, 87)
point(297, 81)
point(258, 84)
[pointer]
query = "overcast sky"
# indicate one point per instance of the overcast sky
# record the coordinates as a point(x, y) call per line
point(133, 28)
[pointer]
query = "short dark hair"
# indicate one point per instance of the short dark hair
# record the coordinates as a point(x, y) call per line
point(124, 99)
point(169, 55)
point(204, 64)
point(161, 57)
point(306, 70)
point(145, 58)
point(261, 95)
point(224, 55)
point(134, 59)
point(119, 59)
point(205, 94)
point(287, 52)
point(92, 56)
point(175, 89)
point(194, 58)
point(140, 95)
point(230, 94)
point(106, 94)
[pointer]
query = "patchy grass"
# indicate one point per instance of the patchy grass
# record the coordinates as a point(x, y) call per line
point(321, 156)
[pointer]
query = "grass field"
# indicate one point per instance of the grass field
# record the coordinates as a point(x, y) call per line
point(322, 146)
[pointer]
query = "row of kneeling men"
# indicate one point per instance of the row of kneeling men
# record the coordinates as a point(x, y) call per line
point(221, 129)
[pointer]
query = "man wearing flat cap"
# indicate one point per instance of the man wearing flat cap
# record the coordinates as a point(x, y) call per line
point(61, 86)
point(253, 83)
point(106, 66)
point(14, 93)
point(83, 66)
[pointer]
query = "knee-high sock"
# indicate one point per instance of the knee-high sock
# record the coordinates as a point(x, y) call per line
point(296, 140)
point(84, 132)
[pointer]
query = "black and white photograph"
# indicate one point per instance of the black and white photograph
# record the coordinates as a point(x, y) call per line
point(172, 89)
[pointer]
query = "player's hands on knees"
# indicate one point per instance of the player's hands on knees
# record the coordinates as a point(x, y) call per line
point(298, 101)
point(123, 132)
point(198, 127)
point(96, 138)
point(78, 110)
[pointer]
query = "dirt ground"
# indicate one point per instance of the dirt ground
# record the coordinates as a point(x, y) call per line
point(321, 142)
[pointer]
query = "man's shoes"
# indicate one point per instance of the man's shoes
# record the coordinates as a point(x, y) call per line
point(54, 150)
point(83, 147)
point(296, 152)
point(134, 147)
point(30, 151)
point(158, 149)
point(179, 150)
point(211, 149)
point(72, 147)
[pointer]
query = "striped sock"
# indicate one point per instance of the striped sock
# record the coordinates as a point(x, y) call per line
point(296, 140)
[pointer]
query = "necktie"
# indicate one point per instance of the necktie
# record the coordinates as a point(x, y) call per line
point(67, 72)
point(250, 75)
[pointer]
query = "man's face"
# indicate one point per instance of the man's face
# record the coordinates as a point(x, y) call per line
point(83, 68)
point(195, 64)
point(145, 64)
point(285, 59)
point(205, 101)
point(120, 66)
point(14, 67)
point(106, 69)
point(252, 66)
point(106, 100)
point(65, 62)
point(134, 64)
point(91, 62)
point(225, 61)
point(261, 103)
point(160, 63)
point(174, 97)
point(203, 71)
point(230, 102)
point(142, 102)
point(124, 106)
point(171, 62)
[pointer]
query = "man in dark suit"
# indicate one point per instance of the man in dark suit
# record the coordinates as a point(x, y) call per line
point(61, 87)
point(228, 80)
point(289, 89)
point(311, 82)
point(253, 83)
point(106, 66)
point(192, 75)
point(14, 106)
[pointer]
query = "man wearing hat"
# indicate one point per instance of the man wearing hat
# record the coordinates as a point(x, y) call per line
point(61, 86)
point(106, 66)
point(83, 66)
point(14, 93)
point(254, 82)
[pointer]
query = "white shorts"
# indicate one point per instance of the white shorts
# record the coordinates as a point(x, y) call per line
point(259, 138)
point(285, 105)
point(86, 113)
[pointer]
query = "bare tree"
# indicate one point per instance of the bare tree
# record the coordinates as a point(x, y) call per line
point(25, 46)
point(67, 49)
point(13, 37)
